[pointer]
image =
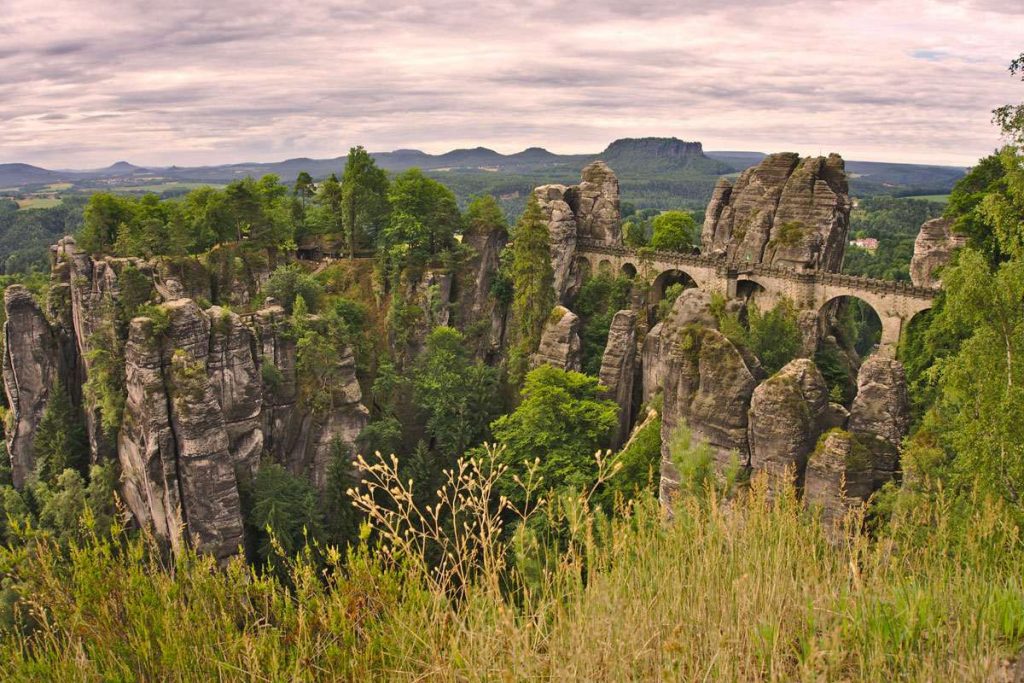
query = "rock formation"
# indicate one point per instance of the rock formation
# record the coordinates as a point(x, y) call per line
point(933, 248)
point(562, 234)
point(597, 204)
point(207, 394)
point(707, 387)
point(788, 412)
point(880, 414)
point(849, 465)
point(692, 307)
point(474, 304)
point(839, 477)
point(785, 211)
point(560, 344)
point(589, 210)
point(618, 368)
point(174, 446)
point(30, 366)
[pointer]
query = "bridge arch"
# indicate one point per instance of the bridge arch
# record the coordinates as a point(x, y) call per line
point(629, 270)
point(670, 277)
point(859, 324)
point(584, 269)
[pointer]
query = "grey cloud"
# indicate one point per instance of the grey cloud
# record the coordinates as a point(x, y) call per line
point(197, 82)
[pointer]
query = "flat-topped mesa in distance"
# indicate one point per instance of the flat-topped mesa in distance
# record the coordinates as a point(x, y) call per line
point(786, 211)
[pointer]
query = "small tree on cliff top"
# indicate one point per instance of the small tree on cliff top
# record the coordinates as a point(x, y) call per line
point(533, 285)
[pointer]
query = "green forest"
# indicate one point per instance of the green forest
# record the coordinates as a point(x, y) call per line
point(493, 523)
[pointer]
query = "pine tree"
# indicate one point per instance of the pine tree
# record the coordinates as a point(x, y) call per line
point(533, 285)
point(341, 519)
point(60, 441)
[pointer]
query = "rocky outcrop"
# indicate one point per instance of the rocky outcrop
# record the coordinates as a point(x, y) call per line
point(692, 307)
point(933, 248)
point(784, 212)
point(429, 291)
point(707, 387)
point(174, 446)
point(788, 412)
point(31, 365)
point(589, 210)
point(474, 305)
point(880, 414)
point(95, 287)
point(597, 204)
point(848, 466)
point(840, 476)
point(237, 385)
point(302, 441)
point(207, 394)
point(562, 235)
point(560, 344)
point(618, 368)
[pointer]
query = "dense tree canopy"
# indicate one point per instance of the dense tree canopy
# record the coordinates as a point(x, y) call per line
point(424, 213)
point(561, 422)
point(364, 200)
point(674, 231)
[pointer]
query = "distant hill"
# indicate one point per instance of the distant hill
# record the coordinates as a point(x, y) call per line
point(661, 155)
point(15, 175)
point(655, 172)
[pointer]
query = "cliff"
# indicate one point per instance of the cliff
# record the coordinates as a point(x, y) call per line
point(188, 400)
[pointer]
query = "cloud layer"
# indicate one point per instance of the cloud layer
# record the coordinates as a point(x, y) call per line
point(87, 82)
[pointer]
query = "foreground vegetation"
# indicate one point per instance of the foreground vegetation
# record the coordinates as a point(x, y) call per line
point(748, 590)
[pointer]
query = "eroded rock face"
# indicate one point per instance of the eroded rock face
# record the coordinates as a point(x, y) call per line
point(590, 211)
point(304, 442)
point(788, 413)
point(237, 385)
point(618, 368)
point(785, 211)
point(175, 432)
point(95, 295)
point(692, 307)
point(840, 476)
point(201, 412)
point(850, 465)
point(207, 393)
point(933, 248)
point(880, 414)
point(473, 301)
point(597, 210)
point(560, 344)
point(31, 365)
point(707, 387)
point(562, 235)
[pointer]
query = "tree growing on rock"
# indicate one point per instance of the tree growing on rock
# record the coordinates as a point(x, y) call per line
point(532, 285)
point(364, 199)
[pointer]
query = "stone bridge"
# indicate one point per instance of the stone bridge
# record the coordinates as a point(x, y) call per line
point(896, 303)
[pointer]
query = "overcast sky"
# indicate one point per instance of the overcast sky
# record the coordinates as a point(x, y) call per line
point(84, 83)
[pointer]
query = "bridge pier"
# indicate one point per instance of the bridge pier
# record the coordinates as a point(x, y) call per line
point(892, 332)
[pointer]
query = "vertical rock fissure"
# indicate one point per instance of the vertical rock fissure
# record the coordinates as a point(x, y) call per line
point(175, 441)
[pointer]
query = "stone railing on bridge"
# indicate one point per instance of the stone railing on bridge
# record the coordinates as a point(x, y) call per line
point(735, 268)
point(595, 247)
